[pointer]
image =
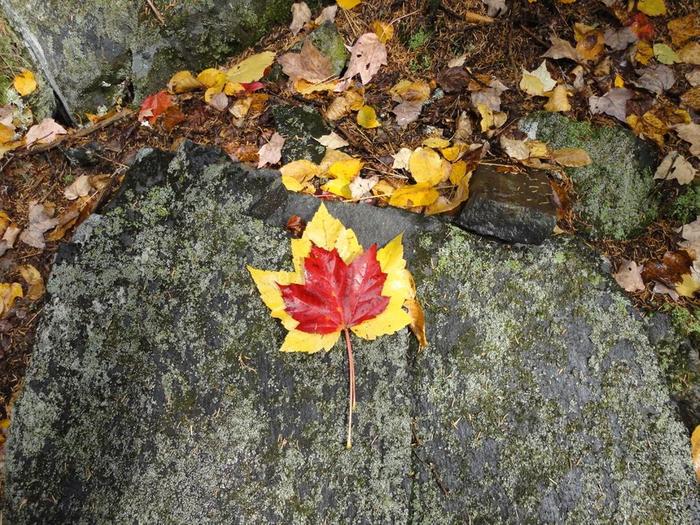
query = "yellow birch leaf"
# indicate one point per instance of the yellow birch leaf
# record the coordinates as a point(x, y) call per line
point(183, 82)
point(414, 195)
point(348, 4)
point(233, 88)
point(6, 133)
point(459, 170)
point(383, 190)
point(689, 286)
point(652, 7)
point(558, 100)
point(619, 81)
point(212, 77)
point(251, 69)
point(384, 31)
point(304, 87)
point(24, 83)
point(446, 203)
point(346, 169)
point(643, 52)
point(331, 157)
point(425, 165)
point(436, 142)
point(340, 187)
point(571, 157)
point(665, 54)
point(8, 293)
point(455, 152)
point(34, 280)
point(367, 117)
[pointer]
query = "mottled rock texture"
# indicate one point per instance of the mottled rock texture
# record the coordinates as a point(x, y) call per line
point(95, 52)
point(157, 394)
point(614, 194)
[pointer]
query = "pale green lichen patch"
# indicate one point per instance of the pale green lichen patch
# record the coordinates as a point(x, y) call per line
point(157, 392)
point(615, 194)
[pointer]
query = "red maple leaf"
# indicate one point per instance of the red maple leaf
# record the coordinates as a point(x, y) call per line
point(252, 87)
point(336, 296)
point(154, 105)
point(642, 26)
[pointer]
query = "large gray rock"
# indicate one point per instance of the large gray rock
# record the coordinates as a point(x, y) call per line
point(94, 52)
point(157, 394)
point(615, 194)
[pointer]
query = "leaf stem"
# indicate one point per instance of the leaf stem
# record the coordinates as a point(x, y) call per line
point(351, 380)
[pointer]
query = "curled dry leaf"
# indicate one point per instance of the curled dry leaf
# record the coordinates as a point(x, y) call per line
point(344, 104)
point(684, 28)
point(219, 101)
point(691, 134)
point(24, 83)
point(495, 7)
point(571, 157)
point(184, 82)
point(656, 79)
point(327, 15)
point(619, 39)
point(80, 187)
point(561, 49)
point(613, 103)
point(9, 292)
point(34, 281)
point(538, 81)
point(690, 53)
point(674, 166)
point(333, 141)
point(558, 100)
point(629, 276)
point(40, 220)
point(301, 14)
point(271, 153)
point(309, 64)
point(367, 117)
point(45, 132)
point(367, 56)
point(590, 42)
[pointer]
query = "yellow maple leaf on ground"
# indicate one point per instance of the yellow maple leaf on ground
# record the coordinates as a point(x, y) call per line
point(652, 7)
point(251, 69)
point(367, 117)
point(25, 83)
point(336, 288)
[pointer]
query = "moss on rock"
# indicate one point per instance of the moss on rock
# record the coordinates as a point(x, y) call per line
point(157, 393)
point(615, 193)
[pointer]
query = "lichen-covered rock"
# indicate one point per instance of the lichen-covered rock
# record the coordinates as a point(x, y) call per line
point(614, 193)
point(157, 394)
point(94, 52)
point(329, 42)
point(15, 58)
point(300, 126)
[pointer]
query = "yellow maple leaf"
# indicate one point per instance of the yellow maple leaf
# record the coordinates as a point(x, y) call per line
point(414, 195)
point(24, 83)
point(346, 169)
point(367, 117)
point(297, 174)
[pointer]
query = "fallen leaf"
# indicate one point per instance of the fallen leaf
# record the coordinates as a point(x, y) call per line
point(298, 173)
point(695, 451)
point(407, 91)
point(451, 201)
point(337, 287)
point(652, 7)
point(360, 188)
point(619, 39)
point(339, 187)
point(425, 166)
point(241, 107)
point(183, 82)
point(7, 133)
point(558, 100)
point(642, 26)
point(343, 104)
point(40, 220)
point(407, 112)
point(571, 157)
point(414, 195)
point(670, 269)
point(9, 292)
point(453, 80)
point(271, 153)
point(690, 284)
point(613, 103)
point(367, 56)
point(80, 187)
point(333, 141)
point(347, 169)
point(34, 281)
point(691, 134)
point(367, 117)
point(327, 15)
point(24, 83)
point(665, 54)
point(153, 106)
point(691, 98)
point(384, 31)
point(684, 28)
point(590, 42)
point(643, 52)
point(402, 158)
point(648, 126)
point(656, 79)
point(674, 166)
point(219, 101)
point(537, 81)
point(693, 77)
point(495, 7)
point(663, 289)
point(463, 129)
point(212, 78)
point(310, 64)
point(45, 132)
point(349, 4)
point(514, 148)
point(436, 142)
point(629, 276)
point(301, 14)
point(561, 49)
point(489, 118)
point(690, 53)
point(251, 69)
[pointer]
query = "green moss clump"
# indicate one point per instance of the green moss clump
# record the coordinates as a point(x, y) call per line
point(615, 194)
point(686, 207)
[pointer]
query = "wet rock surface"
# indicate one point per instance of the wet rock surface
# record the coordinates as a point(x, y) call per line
point(157, 393)
point(615, 194)
point(300, 126)
point(513, 207)
point(93, 54)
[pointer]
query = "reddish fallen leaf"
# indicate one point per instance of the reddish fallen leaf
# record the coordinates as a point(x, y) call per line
point(670, 270)
point(296, 225)
point(252, 87)
point(171, 117)
point(155, 105)
point(642, 26)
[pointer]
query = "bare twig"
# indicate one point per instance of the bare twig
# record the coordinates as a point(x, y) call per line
point(156, 12)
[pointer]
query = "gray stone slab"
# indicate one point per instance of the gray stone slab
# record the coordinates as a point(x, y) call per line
point(156, 392)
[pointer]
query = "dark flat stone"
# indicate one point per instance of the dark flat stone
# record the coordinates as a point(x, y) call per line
point(513, 207)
